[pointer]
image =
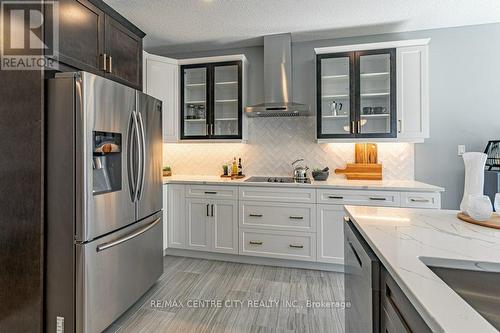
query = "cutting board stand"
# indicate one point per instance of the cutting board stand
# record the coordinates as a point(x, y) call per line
point(365, 166)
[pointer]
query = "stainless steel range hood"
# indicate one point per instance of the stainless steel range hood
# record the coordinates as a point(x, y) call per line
point(278, 100)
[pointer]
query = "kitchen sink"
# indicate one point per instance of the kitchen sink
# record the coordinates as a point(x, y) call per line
point(477, 283)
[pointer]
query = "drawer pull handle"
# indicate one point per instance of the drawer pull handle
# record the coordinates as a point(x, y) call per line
point(256, 243)
point(210, 192)
point(296, 217)
point(335, 197)
point(296, 246)
point(378, 199)
point(255, 215)
point(419, 200)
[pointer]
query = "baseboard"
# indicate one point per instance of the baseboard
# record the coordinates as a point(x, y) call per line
point(254, 260)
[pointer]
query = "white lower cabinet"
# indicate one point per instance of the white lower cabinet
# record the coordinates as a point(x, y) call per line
point(165, 216)
point(212, 225)
point(278, 216)
point(278, 244)
point(176, 210)
point(198, 229)
point(330, 234)
point(225, 226)
point(283, 223)
point(420, 200)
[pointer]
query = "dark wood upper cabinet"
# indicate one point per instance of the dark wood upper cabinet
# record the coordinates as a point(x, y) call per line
point(95, 38)
point(81, 34)
point(123, 51)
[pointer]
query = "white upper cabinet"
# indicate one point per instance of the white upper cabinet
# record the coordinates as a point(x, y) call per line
point(161, 80)
point(413, 92)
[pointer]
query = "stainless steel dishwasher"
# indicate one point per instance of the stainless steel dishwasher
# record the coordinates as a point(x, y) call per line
point(362, 283)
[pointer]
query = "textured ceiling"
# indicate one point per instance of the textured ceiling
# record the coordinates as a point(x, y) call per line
point(183, 25)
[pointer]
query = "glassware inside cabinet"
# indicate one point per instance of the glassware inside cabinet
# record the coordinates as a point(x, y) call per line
point(195, 101)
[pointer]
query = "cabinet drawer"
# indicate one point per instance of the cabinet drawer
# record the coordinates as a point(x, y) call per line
point(278, 216)
point(421, 199)
point(278, 244)
point(275, 194)
point(213, 192)
point(361, 198)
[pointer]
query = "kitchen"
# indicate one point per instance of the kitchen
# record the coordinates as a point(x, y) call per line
point(303, 175)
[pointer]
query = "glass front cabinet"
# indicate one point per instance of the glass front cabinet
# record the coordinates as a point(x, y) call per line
point(211, 101)
point(356, 94)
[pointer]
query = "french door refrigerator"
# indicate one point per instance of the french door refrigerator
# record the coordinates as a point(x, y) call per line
point(103, 200)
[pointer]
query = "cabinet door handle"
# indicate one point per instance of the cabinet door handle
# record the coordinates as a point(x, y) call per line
point(419, 200)
point(378, 199)
point(296, 217)
point(212, 129)
point(208, 129)
point(255, 215)
point(212, 210)
point(207, 209)
point(104, 62)
point(359, 127)
point(400, 125)
point(335, 197)
point(353, 127)
point(255, 242)
point(210, 192)
point(110, 64)
point(293, 246)
point(347, 219)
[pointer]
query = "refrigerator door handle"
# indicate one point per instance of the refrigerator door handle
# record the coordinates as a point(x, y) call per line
point(139, 155)
point(130, 163)
point(143, 155)
point(127, 237)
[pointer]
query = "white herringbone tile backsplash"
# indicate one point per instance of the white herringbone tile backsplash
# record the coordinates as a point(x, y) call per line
point(273, 143)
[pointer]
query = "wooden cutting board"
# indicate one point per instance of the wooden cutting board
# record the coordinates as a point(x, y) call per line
point(366, 153)
point(493, 222)
point(361, 171)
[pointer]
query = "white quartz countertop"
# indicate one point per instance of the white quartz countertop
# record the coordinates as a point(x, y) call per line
point(331, 183)
point(404, 239)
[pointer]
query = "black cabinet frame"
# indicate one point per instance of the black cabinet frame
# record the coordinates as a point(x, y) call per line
point(319, 102)
point(210, 100)
point(355, 95)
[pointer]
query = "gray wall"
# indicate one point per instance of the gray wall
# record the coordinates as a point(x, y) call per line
point(464, 91)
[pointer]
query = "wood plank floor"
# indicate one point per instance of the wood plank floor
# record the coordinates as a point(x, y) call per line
point(186, 281)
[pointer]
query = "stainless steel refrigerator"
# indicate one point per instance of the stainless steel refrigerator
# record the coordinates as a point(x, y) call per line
point(103, 200)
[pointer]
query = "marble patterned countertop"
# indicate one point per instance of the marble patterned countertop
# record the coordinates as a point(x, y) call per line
point(404, 238)
point(331, 183)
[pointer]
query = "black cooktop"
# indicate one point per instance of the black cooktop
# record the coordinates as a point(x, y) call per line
point(285, 180)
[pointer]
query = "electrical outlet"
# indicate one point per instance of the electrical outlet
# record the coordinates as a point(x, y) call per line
point(461, 150)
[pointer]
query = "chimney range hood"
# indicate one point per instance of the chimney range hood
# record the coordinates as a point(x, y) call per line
point(278, 100)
